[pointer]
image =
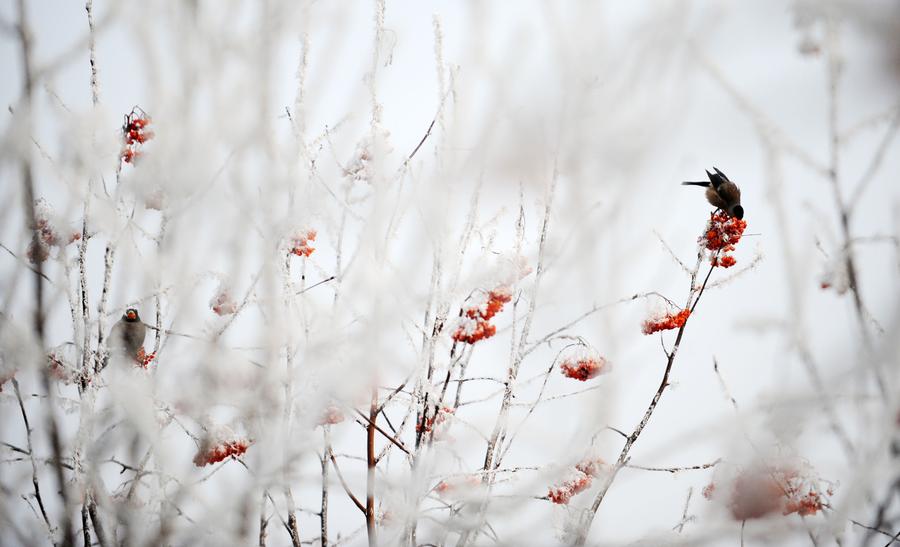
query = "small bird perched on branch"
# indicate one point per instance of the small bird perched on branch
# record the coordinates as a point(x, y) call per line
point(127, 335)
point(722, 193)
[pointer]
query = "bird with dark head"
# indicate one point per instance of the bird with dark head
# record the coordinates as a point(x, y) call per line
point(127, 335)
point(722, 193)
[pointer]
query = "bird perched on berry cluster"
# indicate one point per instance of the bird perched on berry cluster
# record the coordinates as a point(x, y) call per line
point(722, 193)
point(127, 335)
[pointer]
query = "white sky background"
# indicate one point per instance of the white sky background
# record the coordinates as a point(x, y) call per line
point(622, 98)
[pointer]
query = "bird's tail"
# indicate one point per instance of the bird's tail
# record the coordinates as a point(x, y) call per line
point(701, 183)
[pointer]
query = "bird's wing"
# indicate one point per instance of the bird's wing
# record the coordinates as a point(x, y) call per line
point(716, 178)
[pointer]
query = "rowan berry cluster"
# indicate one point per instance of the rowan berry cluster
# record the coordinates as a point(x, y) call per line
point(135, 133)
point(669, 321)
point(217, 452)
point(762, 490)
point(222, 302)
point(143, 359)
point(577, 480)
point(585, 367)
point(474, 325)
point(58, 368)
point(723, 232)
point(434, 421)
point(457, 485)
point(47, 233)
point(331, 415)
point(300, 243)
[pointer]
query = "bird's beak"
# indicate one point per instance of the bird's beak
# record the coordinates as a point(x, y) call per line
point(130, 314)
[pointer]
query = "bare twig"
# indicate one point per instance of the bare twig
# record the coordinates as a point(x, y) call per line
point(371, 422)
point(684, 515)
point(30, 452)
point(674, 470)
point(349, 492)
point(875, 162)
point(26, 264)
point(370, 469)
point(323, 510)
point(263, 520)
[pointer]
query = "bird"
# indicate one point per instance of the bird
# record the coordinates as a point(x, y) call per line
point(722, 193)
point(127, 336)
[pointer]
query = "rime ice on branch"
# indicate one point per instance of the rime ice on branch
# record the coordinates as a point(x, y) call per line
point(474, 325)
point(722, 233)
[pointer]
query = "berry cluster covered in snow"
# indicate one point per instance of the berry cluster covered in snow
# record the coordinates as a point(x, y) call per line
point(222, 303)
point(474, 324)
point(434, 423)
point(331, 415)
point(762, 490)
point(669, 321)
point(578, 478)
point(221, 443)
point(299, 243)
point(49, 232)
point(584, 365)
point(722, 233)
point(135, 133)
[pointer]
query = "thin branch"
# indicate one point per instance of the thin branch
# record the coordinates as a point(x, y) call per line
point(34, 472)
point(875, 162)
point(337, 471)
point(386, 435)
point(684, 515)
point(370, 469)
point(674, 470)
point(26, 264)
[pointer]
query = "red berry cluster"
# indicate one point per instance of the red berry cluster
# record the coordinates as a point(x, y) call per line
point(331, 415)
point(723, 232)
point(475, 325)
point(762, 490)
point(136, 134)
point(219, 451)
point(434, 421)
point(299, 244)
point(578, 480)
point(669, 321)
point(222, 303)
point(58, 368)
point(143, 359)
point(47, 233)
point(584, 369)
point(457, 485)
